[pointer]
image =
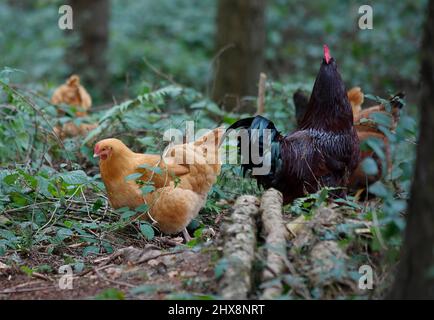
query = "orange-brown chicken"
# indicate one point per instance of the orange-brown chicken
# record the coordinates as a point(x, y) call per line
point(188, 172)
point(368, 129)
point(73, 93)
point(356, 97)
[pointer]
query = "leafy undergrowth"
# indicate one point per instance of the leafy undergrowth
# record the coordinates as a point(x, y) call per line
point(332, 242)
point(54, 211)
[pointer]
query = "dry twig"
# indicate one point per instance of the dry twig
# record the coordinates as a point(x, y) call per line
point(261, 94)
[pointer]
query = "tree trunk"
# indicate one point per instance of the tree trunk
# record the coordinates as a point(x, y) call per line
point(87, 57)
point(415, 278)
point(240, 46)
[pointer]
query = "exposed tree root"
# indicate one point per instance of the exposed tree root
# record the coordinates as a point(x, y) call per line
point(239, 248)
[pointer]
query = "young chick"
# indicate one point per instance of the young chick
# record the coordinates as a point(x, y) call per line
point(188, 173)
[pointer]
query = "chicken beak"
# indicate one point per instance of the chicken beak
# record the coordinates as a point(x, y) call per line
point(95, 155)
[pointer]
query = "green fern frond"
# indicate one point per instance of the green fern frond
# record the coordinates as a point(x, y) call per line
point(152, 99)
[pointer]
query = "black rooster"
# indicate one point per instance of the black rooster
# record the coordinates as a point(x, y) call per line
point(323, 151)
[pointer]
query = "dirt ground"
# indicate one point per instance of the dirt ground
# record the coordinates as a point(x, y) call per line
point(321, 255)
point(173, 272)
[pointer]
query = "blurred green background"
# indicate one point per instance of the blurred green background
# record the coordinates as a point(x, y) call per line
point(177, 38)
point(152, 65)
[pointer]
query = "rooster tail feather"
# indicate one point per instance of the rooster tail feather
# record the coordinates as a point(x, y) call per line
point(243, 123)
point(258, 140)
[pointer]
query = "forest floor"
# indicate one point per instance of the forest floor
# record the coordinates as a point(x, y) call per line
point(57, 226)
point(167, 272)
point(166, 268)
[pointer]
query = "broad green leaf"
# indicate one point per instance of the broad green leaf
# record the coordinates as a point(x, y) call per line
point(369, 166)
point(142, 208)
point(408, 123)
point(381, 119)
point(19, 199)
point(147, 189)
point(377, 146)
point(77, 177)
point(198, 233)
point(398, 205)
point(78, 266)
point(6, 234)
point(127, 214)
point(378, 189)
point(43, 184)
point(2, 249)
point(97, 205)
point(68, 223)
point(133, 176)
point(44, 268)
point(10, 179)
point(108, 247)
point(90, 225)
point(147, 230)
point(111, 294)
point(64, 233)
point(90, 250)
point(28, 271)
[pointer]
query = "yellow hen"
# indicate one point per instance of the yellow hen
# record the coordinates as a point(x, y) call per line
point(188, 172)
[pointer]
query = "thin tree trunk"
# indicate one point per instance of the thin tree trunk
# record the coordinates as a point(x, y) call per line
point(415, 278)
point(240, 43)
point(87, 57)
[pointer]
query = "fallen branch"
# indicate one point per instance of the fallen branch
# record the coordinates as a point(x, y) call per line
point(11, 291)
point(239, 248)
point(119, 283)
point(131, 255)
point(276, 237)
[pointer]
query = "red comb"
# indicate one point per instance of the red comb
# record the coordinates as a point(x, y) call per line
point(327, 56)
point(96, 149)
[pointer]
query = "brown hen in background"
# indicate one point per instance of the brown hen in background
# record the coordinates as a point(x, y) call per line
point(322, 152)
point(366, 128)
point(72, 93)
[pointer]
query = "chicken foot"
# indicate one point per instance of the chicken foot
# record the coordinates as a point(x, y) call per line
point(186, 235)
